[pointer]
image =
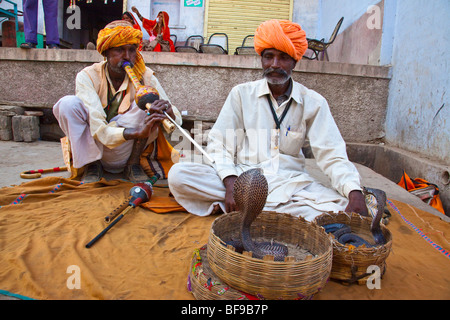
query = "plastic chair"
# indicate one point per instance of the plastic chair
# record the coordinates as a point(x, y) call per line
point(217, 43)
point(192, 44)
point(318, 46)
point(247, 48)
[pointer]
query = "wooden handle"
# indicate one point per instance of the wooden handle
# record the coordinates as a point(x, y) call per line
point(168, 126)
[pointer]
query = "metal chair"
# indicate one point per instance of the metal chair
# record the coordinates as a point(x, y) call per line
point(192, 44)
point(217, 43)
point(318, 46)
point(247, 48)
point(174, 38)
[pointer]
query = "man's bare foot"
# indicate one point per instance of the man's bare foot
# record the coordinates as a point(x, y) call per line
point(216, 209)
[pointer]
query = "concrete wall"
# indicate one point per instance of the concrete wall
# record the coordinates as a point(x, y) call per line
point(412, 36)
point(360, 42)
point(200, 83)
point(331, 11)
point(306, 14)
point(419, 107)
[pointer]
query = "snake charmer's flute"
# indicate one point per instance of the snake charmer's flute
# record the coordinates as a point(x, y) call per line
point(145, 95)
point(131, 201)
point(140, 193)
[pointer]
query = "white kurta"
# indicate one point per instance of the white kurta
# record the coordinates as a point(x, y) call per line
point(245, 136)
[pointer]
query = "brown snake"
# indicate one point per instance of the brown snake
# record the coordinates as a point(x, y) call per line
point(250, 194)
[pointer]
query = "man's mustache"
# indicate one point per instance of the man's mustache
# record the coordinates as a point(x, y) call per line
point(272, 70)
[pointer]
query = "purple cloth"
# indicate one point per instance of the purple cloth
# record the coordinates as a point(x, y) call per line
point(30, 20)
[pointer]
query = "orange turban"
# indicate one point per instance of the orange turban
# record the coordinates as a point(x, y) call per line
point(119, 33)
point(282, 35)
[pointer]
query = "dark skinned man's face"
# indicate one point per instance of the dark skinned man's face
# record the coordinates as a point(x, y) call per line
point(277, 66)
point(118, 55)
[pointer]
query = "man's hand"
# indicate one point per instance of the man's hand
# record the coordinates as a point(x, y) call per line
point(151, 123)
point(357, 203)
point(159, 106)
point(230, 205)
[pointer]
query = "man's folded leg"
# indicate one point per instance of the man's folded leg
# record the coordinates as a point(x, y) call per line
point(197, 188)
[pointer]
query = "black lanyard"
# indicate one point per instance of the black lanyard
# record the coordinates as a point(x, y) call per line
point(274, 114)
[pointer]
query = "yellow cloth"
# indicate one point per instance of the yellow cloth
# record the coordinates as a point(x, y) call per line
point(147, 255)
point(282, 35)
point(119, 33)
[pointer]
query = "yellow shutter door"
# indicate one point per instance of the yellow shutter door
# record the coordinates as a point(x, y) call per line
point(239, 18)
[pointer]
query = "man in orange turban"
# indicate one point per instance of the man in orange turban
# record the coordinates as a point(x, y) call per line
point(105, 127)
point(264, 124)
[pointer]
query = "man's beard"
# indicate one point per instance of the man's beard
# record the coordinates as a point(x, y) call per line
point(270, 80)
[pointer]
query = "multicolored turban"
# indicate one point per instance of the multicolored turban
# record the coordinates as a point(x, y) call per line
point(119, 33)
point(282, 35)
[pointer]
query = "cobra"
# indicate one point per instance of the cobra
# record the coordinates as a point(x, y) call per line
point(375, 227)
point(250, 194)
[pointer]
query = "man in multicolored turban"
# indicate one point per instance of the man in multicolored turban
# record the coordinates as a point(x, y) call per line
point(105, 127)
point(264, 124)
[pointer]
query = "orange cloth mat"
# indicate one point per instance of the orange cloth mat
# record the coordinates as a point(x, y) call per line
point(45, 225)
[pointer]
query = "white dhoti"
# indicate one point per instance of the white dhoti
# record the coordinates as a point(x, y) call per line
point(73, 119)
point(198, 188)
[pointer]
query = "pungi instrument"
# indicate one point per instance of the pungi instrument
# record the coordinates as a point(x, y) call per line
point(145, 95)
point(140, 193)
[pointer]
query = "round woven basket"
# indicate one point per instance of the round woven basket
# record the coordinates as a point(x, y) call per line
point(203, 282)
point(265, 278)
point(350, 264)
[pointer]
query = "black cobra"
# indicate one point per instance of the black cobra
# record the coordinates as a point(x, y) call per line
point(375, 227)
point(250, 194)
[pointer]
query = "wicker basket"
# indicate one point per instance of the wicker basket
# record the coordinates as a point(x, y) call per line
point(265, 279)
point(350, 263)
point(204, 284)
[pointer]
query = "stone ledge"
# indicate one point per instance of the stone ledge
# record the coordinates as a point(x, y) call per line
point(200, 83)
point(196, 60)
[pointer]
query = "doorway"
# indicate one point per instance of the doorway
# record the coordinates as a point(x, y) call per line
point(94, 16)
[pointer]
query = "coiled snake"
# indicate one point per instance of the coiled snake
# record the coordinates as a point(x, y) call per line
point(343, 232)
point(250, 194)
